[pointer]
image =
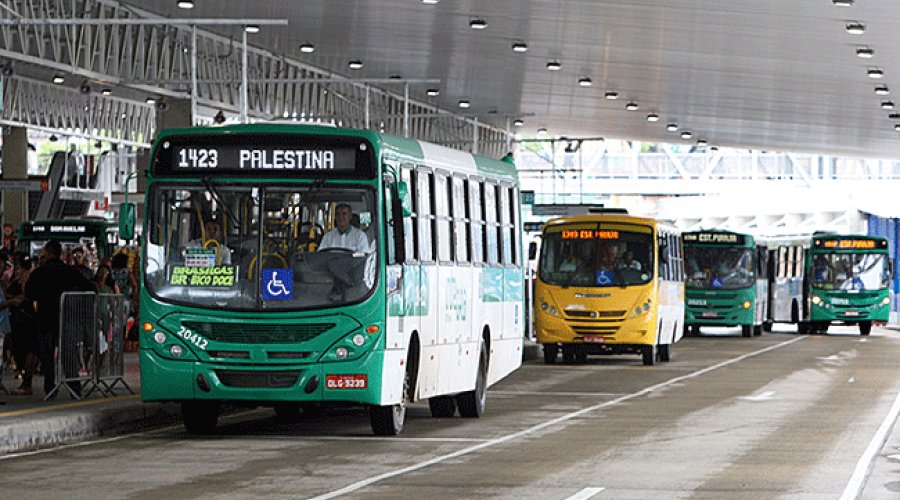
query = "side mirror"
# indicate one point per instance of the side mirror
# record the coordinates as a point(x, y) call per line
point(126, 221)
point(532, 250)
point(403, 196)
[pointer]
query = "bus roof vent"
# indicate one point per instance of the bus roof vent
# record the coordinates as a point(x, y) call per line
point(605, 210)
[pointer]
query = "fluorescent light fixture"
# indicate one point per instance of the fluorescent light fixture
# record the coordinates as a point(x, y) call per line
point(518, 122)
point(519, 46)
point(701, 142)
point(887, 105)
point(631, 106)
point(612, 96)
point(653, 117)
point(478, 24)
point(865, 52)
point(150, 100)
point(106, 92)
point(251, 28)
point(672, 127)
point(882, 90)
point(842, 3)
point(875, 73)
point(894, 116)
point(855, 27)
point(430, 2)
point(58, 79)
point(686, 134)
point(897, 127)
point(307, 48)
point(585, 82)
point(355, 64)
point(554, 66)
point(185, 4)
point(464, 103)
point(542, 131)
point(433, 92)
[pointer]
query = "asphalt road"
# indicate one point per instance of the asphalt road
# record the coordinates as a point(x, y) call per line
point(778, 416)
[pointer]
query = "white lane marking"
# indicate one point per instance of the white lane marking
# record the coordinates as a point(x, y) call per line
point(765, 396)
point(567, 394)
point(857, 480)
point(549, 423)
point(585, 494)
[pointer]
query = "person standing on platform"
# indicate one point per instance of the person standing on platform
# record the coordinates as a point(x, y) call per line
point(44, 287)
point(24, 325)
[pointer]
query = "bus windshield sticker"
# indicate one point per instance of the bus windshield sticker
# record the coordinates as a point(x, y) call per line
point(200, 257)
point(604, 278)
point(278, 284)
point(217, 276)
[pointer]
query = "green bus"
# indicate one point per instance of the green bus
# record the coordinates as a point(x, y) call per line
point(423, 298)
point(725, 282)
point(830, 278)
point(98, 237)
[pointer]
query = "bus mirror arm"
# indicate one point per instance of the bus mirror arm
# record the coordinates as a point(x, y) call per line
point(532, 250)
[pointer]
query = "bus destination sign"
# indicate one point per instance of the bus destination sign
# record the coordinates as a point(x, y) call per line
point(710, 238)
point(273, 155)
point(849, 244)
point(589, 234)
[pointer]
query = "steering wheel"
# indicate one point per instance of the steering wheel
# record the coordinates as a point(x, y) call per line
point(336, 250)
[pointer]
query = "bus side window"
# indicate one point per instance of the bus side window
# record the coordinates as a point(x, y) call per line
point(489, 209)
point(477, 221)
point(411, 224)
point(460, 219)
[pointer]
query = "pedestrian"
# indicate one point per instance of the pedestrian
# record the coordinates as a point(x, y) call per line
point(79, 262)
point(44, 287)
point(24, 325)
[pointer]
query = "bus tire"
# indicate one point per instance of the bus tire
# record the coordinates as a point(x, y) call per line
point(865, 327)
point(580, 354)
point(442, 406)
point(746, 330)
point(200, 417)
point(471, 404)
point(287, 412)
point(695, 330)
point(767, 326)
point(550, 352)
point(757, 330)
point(648, 355)
point(803, 327)
point(568, 353)
point(388, 420)
point(665, 352)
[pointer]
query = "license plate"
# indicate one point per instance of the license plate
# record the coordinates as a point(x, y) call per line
point(593, 339)
point(851, 313)
point(346, 381)
point(710, 315)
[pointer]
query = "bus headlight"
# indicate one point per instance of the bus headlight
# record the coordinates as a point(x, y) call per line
point(747, 304)
point(159, 337)
point(548, 308)
point(885, 301)
point(638, 310)
point(816, 300)
point(176, 351)
point(341, 352)
point(358, 340)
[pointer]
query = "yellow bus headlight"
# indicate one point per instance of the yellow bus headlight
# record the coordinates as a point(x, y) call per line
point(747, 304)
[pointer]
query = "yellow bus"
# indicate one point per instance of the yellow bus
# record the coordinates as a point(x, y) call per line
point(609, 283)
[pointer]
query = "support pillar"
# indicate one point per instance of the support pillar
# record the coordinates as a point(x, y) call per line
point(15, 166)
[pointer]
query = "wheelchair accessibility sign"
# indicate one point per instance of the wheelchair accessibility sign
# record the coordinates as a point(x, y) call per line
point(277, 284)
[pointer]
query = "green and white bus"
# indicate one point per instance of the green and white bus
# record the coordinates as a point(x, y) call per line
point(98, 237)
point(725, 282)
point(431, 307)
point(831, 278)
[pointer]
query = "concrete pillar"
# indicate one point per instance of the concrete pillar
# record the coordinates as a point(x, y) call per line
point(15, 166)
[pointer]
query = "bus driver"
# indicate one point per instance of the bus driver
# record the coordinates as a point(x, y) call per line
point(342, 254)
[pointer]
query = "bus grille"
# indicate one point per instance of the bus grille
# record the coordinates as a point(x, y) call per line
point(249, 333)
point(258, 379)
point(594, 314)
point(594, 330)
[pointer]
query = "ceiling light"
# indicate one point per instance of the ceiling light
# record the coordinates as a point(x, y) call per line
point(713, 148)
point(701, 142)
point(430, 2)
point(307, 48)
point(842, 3)
point(554, 66)
point(887, 105)
point(518, 122)
point(882, 90)
point(478, 24)
point(897, 127)
point(672, 127)
point(106, 92)
point(584, 82)
point(875, 73)
point(464, 103)
point(653, 117)
point(185, 4)
point(355, 64)
point(865, 52)
point(520, 46)
point(631, 106)
point(611, 95)
point(58, 79)
point(855, 28)
point(396, 77)
point(251, 28)
point(894, 116)
point(542, 131)
point(433, 92)
point(150, 100)
point(53, 138)
point(686, 134)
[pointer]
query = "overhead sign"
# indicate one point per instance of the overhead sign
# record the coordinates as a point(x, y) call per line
point(24, 185)
point(528, 197)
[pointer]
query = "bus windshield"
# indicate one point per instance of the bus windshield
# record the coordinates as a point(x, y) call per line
point(717, 268)
point(585, 255)
point(851, 271)
point(260, 248)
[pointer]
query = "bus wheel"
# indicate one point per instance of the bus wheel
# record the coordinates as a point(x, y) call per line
point(580, 354)
point(767, 326)
point(747, 330)
point(442, 406)
point(695, 330)
point(388, 420)
point(200, 417)
point(757, 330)
point(471, 404)
point(648, 353)
point(803, 327)
point(665, 352)
point(568, 352)
point(550, 352)
point(287, 412)
point(865, 327)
